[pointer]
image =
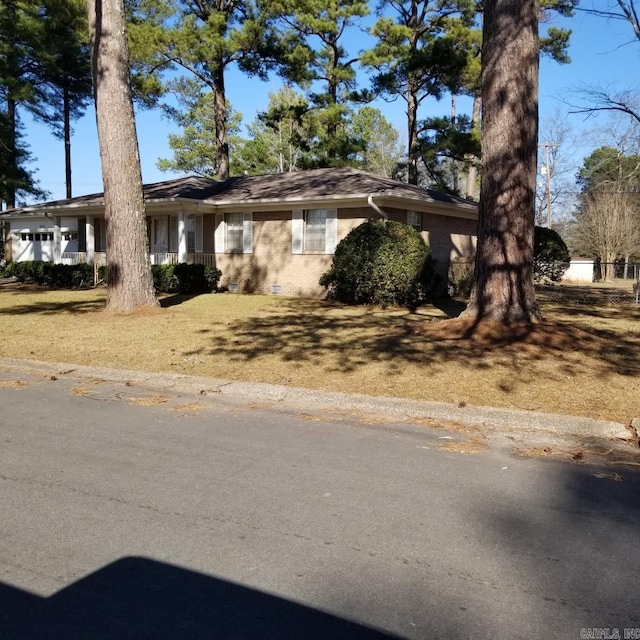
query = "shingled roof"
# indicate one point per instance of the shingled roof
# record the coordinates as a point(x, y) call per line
point(343, 182)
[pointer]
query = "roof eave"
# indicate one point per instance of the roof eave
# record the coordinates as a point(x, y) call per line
point(95, 206)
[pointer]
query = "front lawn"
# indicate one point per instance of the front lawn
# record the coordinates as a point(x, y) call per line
point(583, 360)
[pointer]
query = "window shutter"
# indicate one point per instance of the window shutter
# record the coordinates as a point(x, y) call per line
point(218, 238)
point(297, 231)
point(199, 233)
point(331, 231)
point(247, 233)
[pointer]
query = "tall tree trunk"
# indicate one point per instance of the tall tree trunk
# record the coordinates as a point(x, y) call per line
point(11, 143)
point(414, 145)
point(130, 280)
point(503, 288)
point(67, 140)
point(472, 174)
point(455, 174)
point(14, 73)
point(220, 119)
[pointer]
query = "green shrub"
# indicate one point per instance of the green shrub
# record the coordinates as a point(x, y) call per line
point(212, 276)
point(103, 275)
point(185, 278)
point(48, 274)
point(381, 264)
point(179, 278)
point(164, 279)
point(551, 256)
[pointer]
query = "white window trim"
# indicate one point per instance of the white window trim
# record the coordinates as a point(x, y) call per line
point(220, 235)
point(298, 226)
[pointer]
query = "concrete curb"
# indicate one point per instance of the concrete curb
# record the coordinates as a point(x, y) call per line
point(490, 418)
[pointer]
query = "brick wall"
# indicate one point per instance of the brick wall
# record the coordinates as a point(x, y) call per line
point(272, 262)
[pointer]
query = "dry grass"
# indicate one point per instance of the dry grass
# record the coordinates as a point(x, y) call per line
point(582, 360)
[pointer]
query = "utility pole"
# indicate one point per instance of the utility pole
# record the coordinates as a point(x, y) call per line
point(547, 172)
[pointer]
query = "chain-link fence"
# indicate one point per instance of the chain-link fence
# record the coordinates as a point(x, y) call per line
point(588, 294)
point(619, 270)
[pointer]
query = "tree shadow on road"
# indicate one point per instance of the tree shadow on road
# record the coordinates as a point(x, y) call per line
point(572, 547)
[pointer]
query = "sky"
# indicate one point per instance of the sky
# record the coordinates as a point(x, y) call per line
point(603, 53)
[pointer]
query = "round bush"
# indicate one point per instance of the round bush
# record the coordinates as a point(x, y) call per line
point(551, 256)
point(380, 264)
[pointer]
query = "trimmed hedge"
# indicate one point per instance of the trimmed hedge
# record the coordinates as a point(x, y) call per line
point(48, 274)
point(179, 278)
point(185, 278)
point(169, 278)
point(381, 264)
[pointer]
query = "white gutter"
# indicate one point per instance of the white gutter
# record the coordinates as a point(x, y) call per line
point(377, 209)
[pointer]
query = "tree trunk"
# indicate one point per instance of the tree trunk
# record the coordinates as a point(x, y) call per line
point(472, 175)
point(414, 145)
point(11, 143)
point(627, 257)
point(67, 141)
point(455, 174)
point(14, 73)
point(130, 280)
point(220, 118)
point(503, 289)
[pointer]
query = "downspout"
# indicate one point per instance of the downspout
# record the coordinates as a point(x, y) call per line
point(377, 209)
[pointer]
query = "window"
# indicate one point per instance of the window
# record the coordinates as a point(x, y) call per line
point(234, 233)
point(235, 228)
point(314, 231)
point(414, 219)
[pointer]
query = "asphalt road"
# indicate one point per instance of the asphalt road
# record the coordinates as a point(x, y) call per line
point(129, 513)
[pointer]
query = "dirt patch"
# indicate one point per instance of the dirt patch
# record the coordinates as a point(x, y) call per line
point(194, 407)
point(473, 446)
point(148, 402)
point(13, 384)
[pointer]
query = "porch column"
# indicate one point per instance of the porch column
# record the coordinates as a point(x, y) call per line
point(57, 240)
point(90, 239)
point(182, 237)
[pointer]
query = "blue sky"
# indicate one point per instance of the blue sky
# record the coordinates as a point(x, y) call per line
point(603, 52)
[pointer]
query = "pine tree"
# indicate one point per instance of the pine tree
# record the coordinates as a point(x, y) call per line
point(503, 289)
point(130, 280)
point(330, 71)
point(203, 39)
point(194, 150)
point(44, 70)
point(416, 56)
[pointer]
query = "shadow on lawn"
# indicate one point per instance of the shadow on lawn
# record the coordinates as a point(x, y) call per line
point(51, 308)
point(305, 332)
